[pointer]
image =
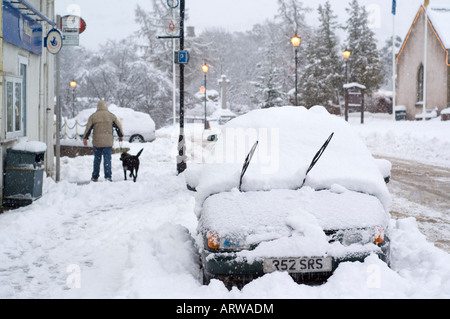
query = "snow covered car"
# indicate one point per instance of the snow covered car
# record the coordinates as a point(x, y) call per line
point(138, 127)
point(309, 197)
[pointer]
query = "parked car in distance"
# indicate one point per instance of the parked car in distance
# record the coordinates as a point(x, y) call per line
point(278, 212)
point(138, 127)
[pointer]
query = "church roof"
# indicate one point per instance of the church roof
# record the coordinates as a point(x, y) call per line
point(440, 19)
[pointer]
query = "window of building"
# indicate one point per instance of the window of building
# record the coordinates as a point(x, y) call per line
point(23, 73)
point(14, 107)
point(420, 84)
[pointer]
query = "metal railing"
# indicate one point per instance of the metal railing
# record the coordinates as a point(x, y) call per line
point(68, 130)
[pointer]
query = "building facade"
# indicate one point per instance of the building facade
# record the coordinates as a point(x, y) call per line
point(27, 98)
point(411, 66)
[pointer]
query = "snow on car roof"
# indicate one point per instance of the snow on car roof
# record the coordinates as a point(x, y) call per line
point(132, 121)
point(289, 138)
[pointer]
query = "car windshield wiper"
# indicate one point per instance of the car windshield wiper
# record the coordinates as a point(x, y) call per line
point(248, 159)
point(317, 157)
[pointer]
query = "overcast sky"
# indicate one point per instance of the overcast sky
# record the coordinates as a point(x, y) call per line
point(107, 19)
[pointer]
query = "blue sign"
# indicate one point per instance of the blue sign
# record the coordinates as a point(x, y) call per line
point(183, 57)
point(173, 3)
point(20, 30)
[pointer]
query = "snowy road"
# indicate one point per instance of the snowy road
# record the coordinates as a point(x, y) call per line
point(422, 191)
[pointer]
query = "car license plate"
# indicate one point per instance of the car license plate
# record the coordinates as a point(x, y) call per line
point(298, 265)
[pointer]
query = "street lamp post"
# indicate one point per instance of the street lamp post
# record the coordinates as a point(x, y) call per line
point(296, 43)
point(73, 85)
point(346, 54)
point(205, 69)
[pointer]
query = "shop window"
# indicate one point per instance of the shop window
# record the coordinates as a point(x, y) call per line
point(14, 107)
point(23, 73)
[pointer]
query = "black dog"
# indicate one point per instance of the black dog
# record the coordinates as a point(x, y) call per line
point(130, 163)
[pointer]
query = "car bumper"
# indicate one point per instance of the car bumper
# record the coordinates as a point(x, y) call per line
point(237, 271)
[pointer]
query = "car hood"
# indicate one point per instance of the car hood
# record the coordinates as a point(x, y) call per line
point(270, 214)
point(291, 222)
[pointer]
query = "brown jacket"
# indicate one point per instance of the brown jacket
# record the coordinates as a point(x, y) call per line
point(102, 123)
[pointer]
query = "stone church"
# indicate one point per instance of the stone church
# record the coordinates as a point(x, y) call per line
point(410, 64)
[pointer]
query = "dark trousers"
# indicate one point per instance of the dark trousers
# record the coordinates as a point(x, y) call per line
point(104, 152)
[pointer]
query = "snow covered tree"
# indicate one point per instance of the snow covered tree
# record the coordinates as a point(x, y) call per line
point(365, 66)
point(118, 75)
point(159, 52)
point(386, 58)
point(152, 24)
point(290, 20)
point(269, 92)
point(322, 78)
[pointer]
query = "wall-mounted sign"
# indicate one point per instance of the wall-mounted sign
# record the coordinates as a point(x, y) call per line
point(20, 30)
point(54, 41)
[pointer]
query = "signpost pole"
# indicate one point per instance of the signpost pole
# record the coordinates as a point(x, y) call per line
point(182, 58)
point(346, 104)
point(181, 160)
point(58, 110)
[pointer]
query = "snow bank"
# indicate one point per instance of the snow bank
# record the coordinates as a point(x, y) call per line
point(423, 141)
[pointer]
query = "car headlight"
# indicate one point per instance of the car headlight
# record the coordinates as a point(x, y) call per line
point(362, 236)
point(225, 243)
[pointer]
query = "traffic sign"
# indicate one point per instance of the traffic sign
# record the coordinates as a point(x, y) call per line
point(182, 57)
point(173, 3)
point(72, 26)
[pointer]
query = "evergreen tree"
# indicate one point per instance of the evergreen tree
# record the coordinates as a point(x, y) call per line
point(269, 91)
point(290, 20)
point(365, 66)
point(322, 78)
point(386, 58)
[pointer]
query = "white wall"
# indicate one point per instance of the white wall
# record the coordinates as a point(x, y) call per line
point(40, 90)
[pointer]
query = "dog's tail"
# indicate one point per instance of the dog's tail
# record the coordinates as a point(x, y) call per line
point(140, 152)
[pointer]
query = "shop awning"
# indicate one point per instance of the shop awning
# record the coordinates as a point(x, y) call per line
point(30, 10)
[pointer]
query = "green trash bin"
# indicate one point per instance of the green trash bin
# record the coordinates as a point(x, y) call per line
point(24, 176)
point(400, 113)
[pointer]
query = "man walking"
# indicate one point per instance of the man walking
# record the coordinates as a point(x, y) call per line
point(102, 124)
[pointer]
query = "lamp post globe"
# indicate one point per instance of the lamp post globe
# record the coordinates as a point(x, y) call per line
point(347, 54)
point(296, 40)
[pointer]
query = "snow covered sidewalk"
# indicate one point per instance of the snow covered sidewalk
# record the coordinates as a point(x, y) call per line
point(131, 240)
